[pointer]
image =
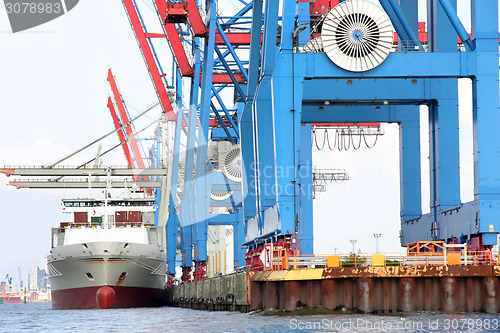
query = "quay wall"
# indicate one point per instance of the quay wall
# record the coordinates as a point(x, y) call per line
point(362, 289)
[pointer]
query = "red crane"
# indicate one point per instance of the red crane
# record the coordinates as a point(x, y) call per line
point(128, 133)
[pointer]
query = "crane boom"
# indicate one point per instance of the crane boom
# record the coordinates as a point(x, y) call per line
point(126, 121)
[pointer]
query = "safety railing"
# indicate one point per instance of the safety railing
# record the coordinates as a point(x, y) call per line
point(410, 46)
point(386, 259)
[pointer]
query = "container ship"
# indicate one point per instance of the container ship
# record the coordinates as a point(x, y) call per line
point(111, 255)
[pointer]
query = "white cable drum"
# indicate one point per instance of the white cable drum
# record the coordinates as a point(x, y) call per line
point(314, 45)
point(357, 35)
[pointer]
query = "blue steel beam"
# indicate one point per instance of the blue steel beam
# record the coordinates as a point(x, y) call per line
point(239, 239)
point(156, 163)
point(262, 120)
point(172, 226)
point(304, 18)
point(246, 118)
point(364, 90)
point(409, 162)
point(286, 108)
point(404, 22)
point(480, 217)
point(444, 155)
point(440, 32)
point(221, 122)
point(238, 15)
point(444, 171)
point(354, 113)
point(410, 10)
point(186, 218)
point(217, 62)
point(173, 219)
point(415, 64)
point(230, 73)
point(455, 21)
point(305, 235)
point(269, 37)
point(400, 30)
point(226, 112)
point(202, 189)
point(231, 50)
point(486, 117)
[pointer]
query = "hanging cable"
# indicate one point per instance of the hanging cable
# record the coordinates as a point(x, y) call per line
point(316, 141)
point(344, 138)
point(359, 142)
point(54, 163)
point(328, 140)
point(376, 138)
point(348, 139)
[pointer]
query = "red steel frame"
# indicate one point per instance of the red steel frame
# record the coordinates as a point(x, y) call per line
point(149, 58)
point(126, 122)
point(126, 150)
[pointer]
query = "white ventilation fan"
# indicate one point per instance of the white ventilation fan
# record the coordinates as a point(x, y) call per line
point(357, 35)
point(220, 195)
point(315, 45)
point(230, 163)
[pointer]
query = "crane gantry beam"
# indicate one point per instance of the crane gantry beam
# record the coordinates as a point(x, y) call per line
point(74, 171)
point(82, 183)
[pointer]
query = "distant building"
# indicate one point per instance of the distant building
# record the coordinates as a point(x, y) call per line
point(37, 279)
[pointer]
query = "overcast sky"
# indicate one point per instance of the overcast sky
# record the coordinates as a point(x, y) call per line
point(53, 96)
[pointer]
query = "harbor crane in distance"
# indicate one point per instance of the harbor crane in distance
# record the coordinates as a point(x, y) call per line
point(21, 286)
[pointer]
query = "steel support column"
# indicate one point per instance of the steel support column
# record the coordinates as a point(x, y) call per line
point(201, 203)
point(186, 218)
point(173, 219)
point(263, 123)
point(305, 234)
point(287, 106)
point(409, 163)
point(486, 118)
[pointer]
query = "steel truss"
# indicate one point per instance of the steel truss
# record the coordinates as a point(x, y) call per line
point(277, 92)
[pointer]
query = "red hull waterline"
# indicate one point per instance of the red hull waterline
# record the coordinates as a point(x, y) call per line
point(92, 298)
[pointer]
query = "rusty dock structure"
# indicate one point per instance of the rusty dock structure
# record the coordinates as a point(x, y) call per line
point(446, 280)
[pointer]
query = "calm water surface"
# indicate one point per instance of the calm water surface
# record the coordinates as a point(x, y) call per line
point(41, 318)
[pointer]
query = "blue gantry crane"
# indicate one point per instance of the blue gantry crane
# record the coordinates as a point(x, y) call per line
point(259, 79)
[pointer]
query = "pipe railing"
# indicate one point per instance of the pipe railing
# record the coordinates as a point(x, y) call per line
point(462, 257)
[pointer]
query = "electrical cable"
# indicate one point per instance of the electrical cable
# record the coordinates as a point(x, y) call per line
point(374, 143)
point(359, 143)
point(54, 163)
point(344, 139)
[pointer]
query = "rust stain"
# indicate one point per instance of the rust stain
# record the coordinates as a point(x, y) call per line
point(249, 287)
point(410, 271)
point(7, 171)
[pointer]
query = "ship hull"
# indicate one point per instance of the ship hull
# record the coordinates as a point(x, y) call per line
point(126, 297)
point(132, 275)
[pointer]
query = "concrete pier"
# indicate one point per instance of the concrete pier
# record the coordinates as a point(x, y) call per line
point(362, 289)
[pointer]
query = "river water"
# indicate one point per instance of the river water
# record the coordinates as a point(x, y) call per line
point(39, 317)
